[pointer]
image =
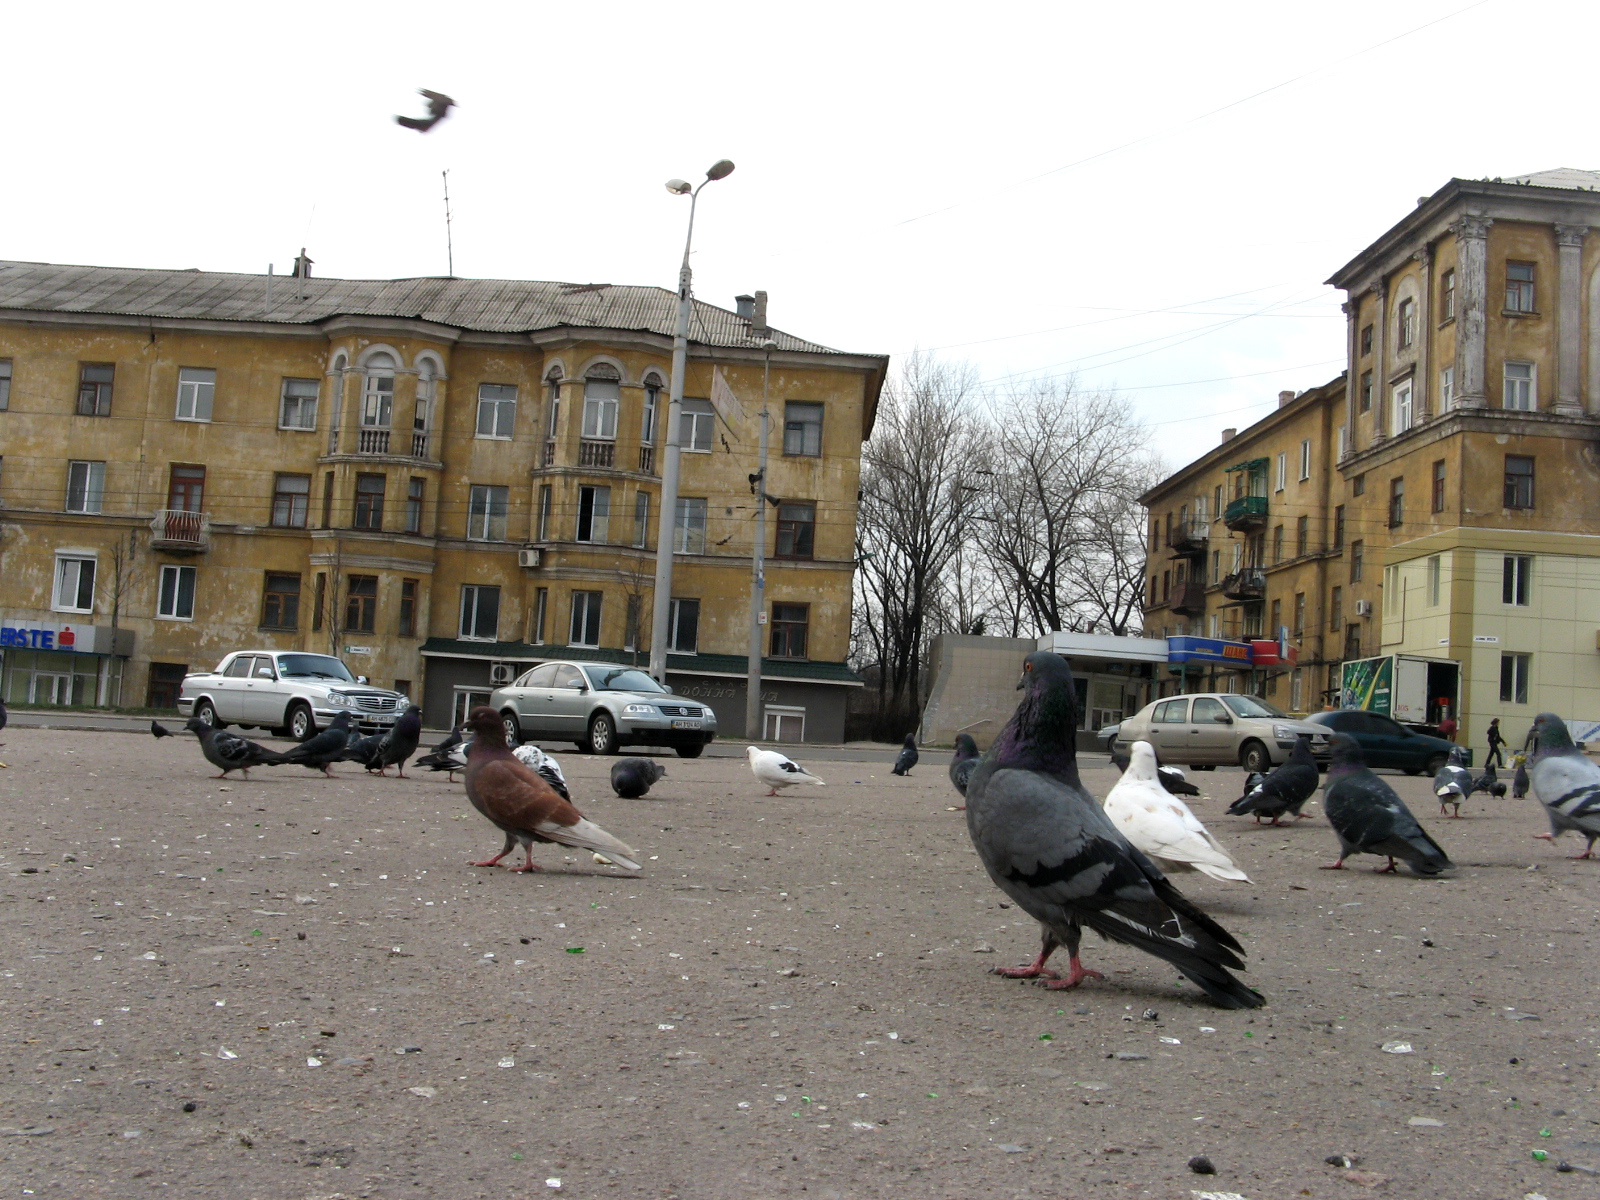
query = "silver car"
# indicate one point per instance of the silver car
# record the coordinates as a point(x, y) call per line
point(600, 707)
point(1219, 728)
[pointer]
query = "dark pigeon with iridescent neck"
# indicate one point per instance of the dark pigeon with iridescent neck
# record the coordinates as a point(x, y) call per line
point(1369, 818)
point(963, 762)
point(908, 757)
point(1048, 845)
point(1567, 782)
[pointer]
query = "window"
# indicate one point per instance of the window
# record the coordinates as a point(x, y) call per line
point(1397, 500)
point(1520, 393)
point(1366, 339)
point(320, 601)
point(652, 405)
point(630, 623)
point(1447, 295)
point(1216, 501)
point(585, 619)
point(196, 387)
point(1402, 406)
point(497, 410)
point(1305, 459)
point(1302, 536)
point(176, 596)
point(552, 383)
point(546, 502)
point(1357, 555)
point(601, 392)
point(594, 515)
point(1358, 485)
point(689, 526)
point(480, 613)
point(1277, 543)
point(697, 426)
point(94, 389)
point(5, 384)
point(641, 518)
point(1352, 641)
point(1275, 618)
point(186, 488)
point(327, 500)
point(1338, 527)
point(1173, 712)
point(1447, 388)
point(1216, 566)
point(541, 605)
point(377, 402)
point(297, 404)
point(361, 604)
point(1519, 481)
point(407, 626)
point(1336, 609)
point(1365, 403)
point(683, 626)
point(74, 584)
point(1435, 579)
point(1296, 689)
point(789, 630)
point(783, 723)
point(802, 428)
point(416, 492)
point(1514, 671)
point(486, 513)
point(1438, 485)
point(1344, 440)
point(1282, 476)
point(1406, 323)
point(86, 486)
point(422, 412)
point(1166, 586)
point(797, 526)
point(1516, 574)
point(369, 501)
point(280, 601)
point(291, 499)
point(1519, 287)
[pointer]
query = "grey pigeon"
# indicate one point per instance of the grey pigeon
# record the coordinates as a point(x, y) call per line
point(449, 755)
point(230, 752)
point(1369, 818)
point(632, 777)
point(963, 762)
point(1566, 781)
point(1454, 783)
point(1490, 782)
point(439, 106)
point(1519, 781)
point(1171, 778)
point(319, 753)
point(908, 757)
point(1251, 782)
point(400, 743)
point(158, 730)
point(1048, 845)
point(548, 768)
point(1285, 789)
point(361, 749)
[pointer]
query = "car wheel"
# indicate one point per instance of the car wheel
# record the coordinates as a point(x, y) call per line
point(512, 726)
point(205, 712)
point(602, 734)
point(1253, 756)
point(302, 724)
point(1436, 764)
point(689, 751)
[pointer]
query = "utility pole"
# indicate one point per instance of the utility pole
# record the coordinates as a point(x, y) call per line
point(758, 575)
point(449, 237)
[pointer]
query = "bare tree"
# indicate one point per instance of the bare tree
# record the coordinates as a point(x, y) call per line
point(124, 574)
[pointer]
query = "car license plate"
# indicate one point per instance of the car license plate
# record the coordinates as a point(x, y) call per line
point(686, 724)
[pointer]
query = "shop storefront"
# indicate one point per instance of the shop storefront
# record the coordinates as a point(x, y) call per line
point(48, 662)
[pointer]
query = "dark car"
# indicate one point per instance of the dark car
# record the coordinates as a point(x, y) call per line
point(1385, 742)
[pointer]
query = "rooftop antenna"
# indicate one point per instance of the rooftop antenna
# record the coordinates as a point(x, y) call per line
point(449, 240)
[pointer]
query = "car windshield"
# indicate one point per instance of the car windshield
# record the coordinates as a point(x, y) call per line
point(1250, 706)
point(320, 666)
point(621, 679)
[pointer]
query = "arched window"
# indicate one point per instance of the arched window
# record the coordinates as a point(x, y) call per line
point(377, 403)
point(552, 383)
point(336, 401)
point(652, 403)
point(422, 421)
point(602, 390)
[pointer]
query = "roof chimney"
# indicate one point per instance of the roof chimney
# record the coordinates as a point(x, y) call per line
point(744, 307)
point(1285, 398)
point(302, 265)
point(758, 324)
point(1227, 434)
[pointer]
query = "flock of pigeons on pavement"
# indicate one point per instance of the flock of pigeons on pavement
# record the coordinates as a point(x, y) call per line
point(1065, 859)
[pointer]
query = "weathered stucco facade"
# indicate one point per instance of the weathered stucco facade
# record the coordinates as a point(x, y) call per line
point(429, 478)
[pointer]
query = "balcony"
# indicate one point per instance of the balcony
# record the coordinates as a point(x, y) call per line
point(180, 530)
point(1189, 538)
point(596, 454)
point(372, 441)
point(1248, 584)
point(549, 459)
point(1247, 514)
point(1189, 599)
point(421, 443)
point(647, 460)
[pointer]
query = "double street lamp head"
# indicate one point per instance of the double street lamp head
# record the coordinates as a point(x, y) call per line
point(720, 169)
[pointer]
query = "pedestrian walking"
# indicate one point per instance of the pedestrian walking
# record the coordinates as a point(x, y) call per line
point(1447, 728)
point(1495, 757)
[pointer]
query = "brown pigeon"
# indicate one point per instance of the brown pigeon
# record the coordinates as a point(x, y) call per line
point(523, 804)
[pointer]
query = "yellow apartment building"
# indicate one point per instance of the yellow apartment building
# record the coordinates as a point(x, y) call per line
point(443, 481)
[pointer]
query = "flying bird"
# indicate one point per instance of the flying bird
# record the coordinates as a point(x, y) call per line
point(439, 105)
point(1490, 782)
point(320, 752)
point(1161, 825)
point(1172, 779)
point(776, 771)
point(1369, 818)
point(1055, 852)
point(908, 757)
point(530, 755)
point(1453, 783)
point(963, 762)
point(230, 752)
point(158, 730)
point(633, 777)
point(1566, 781)
point(522, 803)
point(449, 755)
point(1284, 789)
point(400, 742)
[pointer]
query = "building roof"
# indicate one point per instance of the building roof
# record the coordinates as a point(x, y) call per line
point(677, 664)
point(484, 305)
point(1560, 177)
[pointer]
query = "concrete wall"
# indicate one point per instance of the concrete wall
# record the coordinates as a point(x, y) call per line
point(974, 687)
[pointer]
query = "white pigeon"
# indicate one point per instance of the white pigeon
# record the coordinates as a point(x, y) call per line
point(1161, 825)
point(536, 759)
point(776, 771)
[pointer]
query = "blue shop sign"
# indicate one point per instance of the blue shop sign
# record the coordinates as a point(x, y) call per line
point(1208, 650)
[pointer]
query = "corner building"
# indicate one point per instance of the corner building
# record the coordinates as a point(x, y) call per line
point(442, 481)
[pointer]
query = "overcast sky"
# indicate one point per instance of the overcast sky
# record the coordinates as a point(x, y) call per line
point(1036, 188)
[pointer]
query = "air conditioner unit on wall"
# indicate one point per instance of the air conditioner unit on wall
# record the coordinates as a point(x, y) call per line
point(502, 672)
point(530, 558)
point(1363, 608)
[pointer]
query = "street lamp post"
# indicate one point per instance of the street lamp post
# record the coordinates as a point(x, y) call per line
point(662, 601)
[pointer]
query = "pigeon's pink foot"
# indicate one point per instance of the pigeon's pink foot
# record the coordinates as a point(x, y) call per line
point(772, 791)
point(1338, 866)
point(1589, 853)
point(1076, 974)
point(1034, 970)
point(525, 868)
point(224, 775)
point(1391, 869)
point(491, 862)
point(1545, 837)
point(1302, 816)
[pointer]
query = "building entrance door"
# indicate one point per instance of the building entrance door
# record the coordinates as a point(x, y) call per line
point(47, 688)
